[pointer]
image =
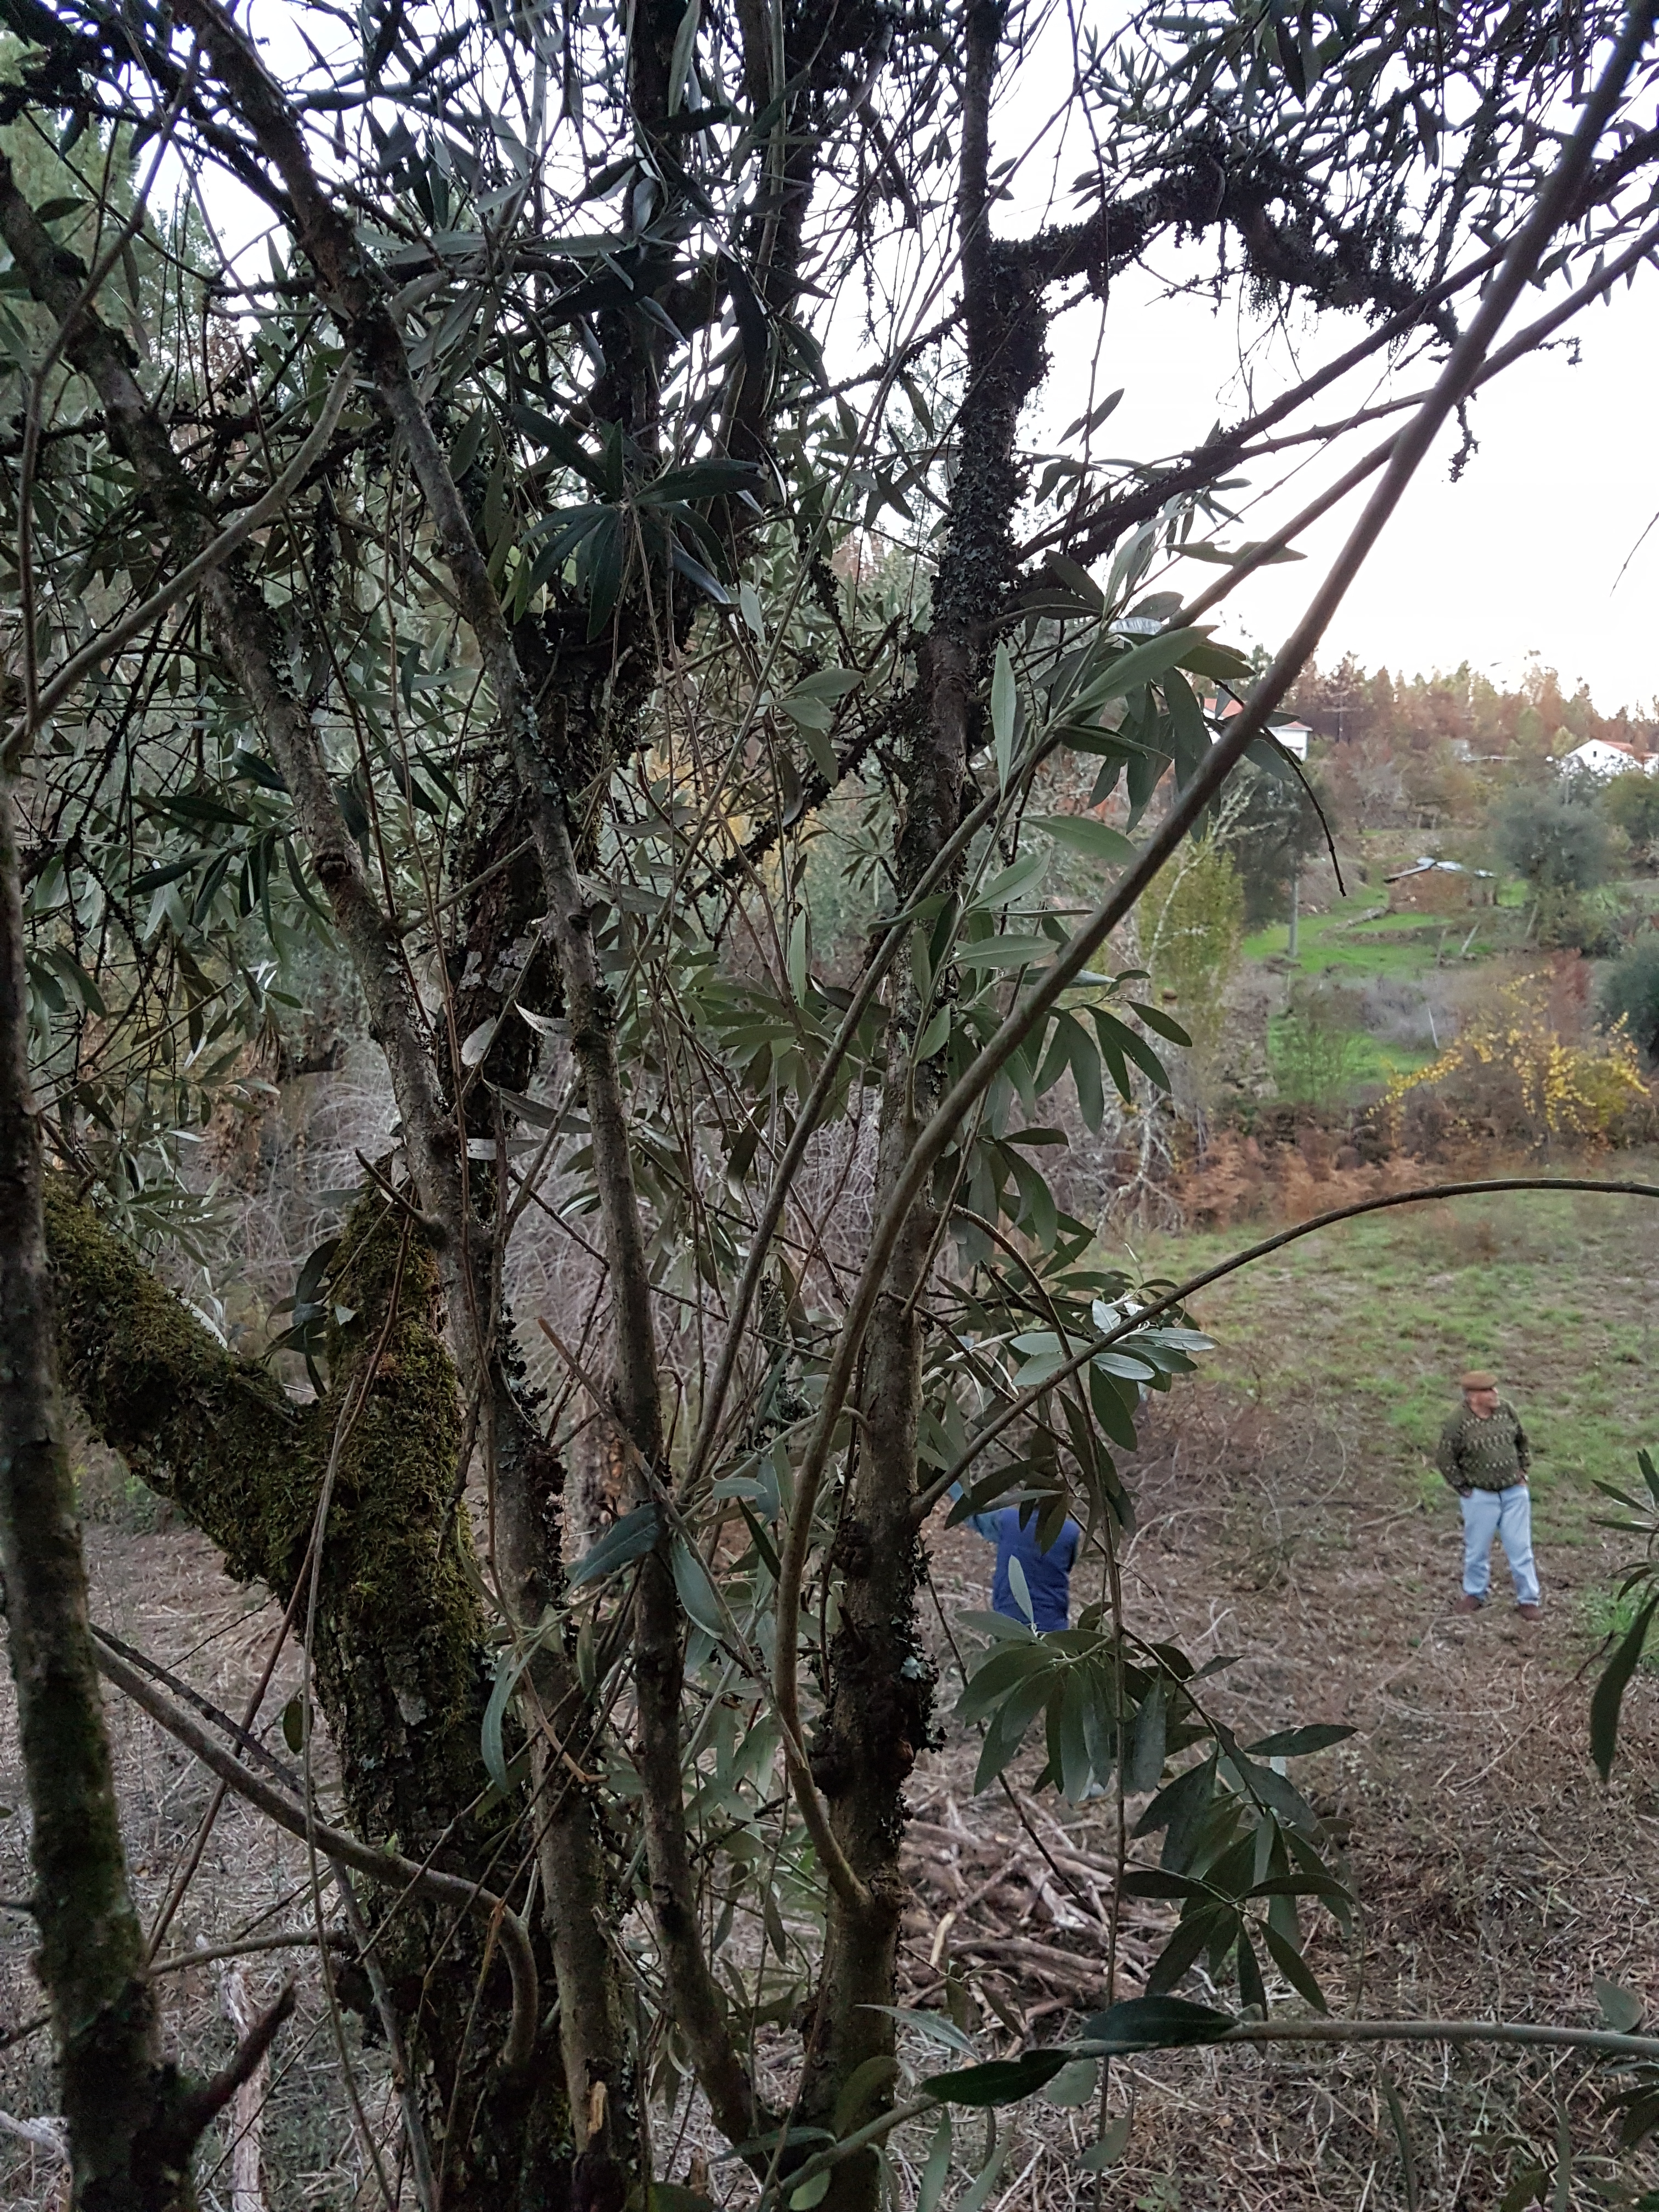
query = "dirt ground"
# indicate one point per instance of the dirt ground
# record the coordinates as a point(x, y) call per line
point(1496, 1877)
point(161, 1588)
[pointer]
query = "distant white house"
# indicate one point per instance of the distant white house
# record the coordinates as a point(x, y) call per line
point(1293, 735)
point(1605, 756)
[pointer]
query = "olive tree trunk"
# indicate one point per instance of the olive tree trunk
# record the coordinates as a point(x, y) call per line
point(92, 1949)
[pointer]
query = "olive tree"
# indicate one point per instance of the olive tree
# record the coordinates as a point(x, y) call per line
point(1631, 803)
point(618, 454)
point(1556, 840)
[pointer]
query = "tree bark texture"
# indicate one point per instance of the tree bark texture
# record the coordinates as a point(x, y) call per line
point(241, 629)
point(878, 1711)
point(399, 1639)
point(329, 241)
point(91, 1958)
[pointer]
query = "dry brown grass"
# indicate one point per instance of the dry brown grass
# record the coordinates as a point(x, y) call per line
point(1496, 1877)
point(161, 1587)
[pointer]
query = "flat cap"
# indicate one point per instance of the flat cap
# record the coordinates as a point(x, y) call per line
point(1476, 1379)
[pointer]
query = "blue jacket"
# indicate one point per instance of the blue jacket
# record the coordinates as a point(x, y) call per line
point(1048, 1574)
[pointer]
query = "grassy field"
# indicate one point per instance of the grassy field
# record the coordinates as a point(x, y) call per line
point(1359, 938)
point(1385, 945)
point(1288, 1524)
point(1434, 958)
point(1367, 1061)
point(1559, 1294)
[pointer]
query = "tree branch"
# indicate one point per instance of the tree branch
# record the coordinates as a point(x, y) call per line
point(1554, 202)
point(92, 1948)
point(241, 629)
point(895, 938)
point(387, 1867)
point(242, 632)
point(192, 1420)
point(270, 504)
point(1083, 537)
point(1528, 341)
point(202, 2106)
point(331, 246)
point(245, 1741)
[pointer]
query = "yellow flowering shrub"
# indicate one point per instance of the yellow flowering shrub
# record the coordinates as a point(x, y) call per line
point(1510, 1073)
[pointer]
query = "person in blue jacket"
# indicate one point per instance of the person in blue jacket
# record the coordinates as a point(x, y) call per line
point(1048, 1574)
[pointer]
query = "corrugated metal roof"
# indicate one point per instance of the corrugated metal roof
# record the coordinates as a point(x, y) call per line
point(1426, 866)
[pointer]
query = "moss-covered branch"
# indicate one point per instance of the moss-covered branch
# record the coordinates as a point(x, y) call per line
point(199, 1427)
point(397, 1639)
point(398, 1636)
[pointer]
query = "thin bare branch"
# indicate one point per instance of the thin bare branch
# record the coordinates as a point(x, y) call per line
point(386, 1866)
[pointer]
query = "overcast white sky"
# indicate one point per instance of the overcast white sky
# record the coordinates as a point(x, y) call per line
point(1521, 556)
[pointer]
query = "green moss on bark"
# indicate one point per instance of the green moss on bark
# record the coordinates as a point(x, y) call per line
point(398, 1641)
point(201, 1427)
point(399, 1635)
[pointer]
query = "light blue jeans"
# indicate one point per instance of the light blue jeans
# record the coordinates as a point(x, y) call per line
point(1507, 1515)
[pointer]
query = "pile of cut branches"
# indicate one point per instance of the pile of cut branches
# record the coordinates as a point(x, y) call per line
point(1021, 1910)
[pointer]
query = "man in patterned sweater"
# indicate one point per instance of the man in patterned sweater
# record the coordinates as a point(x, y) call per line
point(1484, 1455)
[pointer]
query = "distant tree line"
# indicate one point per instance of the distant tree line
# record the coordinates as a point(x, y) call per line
point(1427, 751)
point(1537, 716)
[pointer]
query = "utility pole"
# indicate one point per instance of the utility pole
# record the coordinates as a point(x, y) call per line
point(1296, 902)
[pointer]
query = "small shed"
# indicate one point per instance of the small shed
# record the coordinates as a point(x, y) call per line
point(1431, 886)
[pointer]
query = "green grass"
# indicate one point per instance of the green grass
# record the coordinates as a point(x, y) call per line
point(1408, 944)
point(1603, 1615)
point(1371, 1060)
point(1380, 1315)
point(1390, 944)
